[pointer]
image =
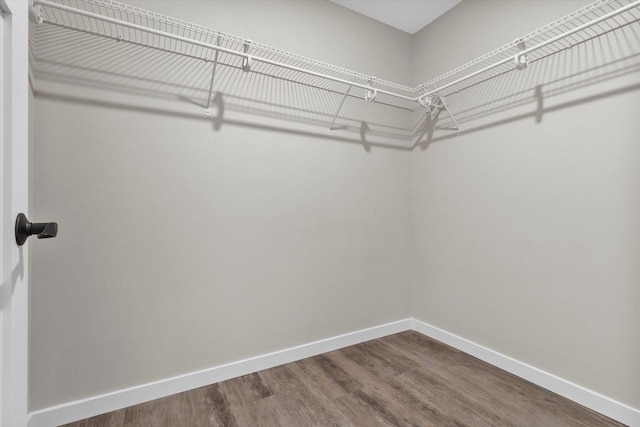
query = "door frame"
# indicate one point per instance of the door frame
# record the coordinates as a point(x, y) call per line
point(14, 198)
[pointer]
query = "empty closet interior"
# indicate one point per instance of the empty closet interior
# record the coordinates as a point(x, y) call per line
point(239, 180)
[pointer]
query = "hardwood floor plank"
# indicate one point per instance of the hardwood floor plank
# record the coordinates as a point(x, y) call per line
point(301, 405)
point(449, 396)
point(393, 389)
point(357, 414)
point(515, 398)
point(492, 388)
point(337, 374)
point(406, 379)
point(222, 408)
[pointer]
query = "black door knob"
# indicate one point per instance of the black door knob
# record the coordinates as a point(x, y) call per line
point(24, 229)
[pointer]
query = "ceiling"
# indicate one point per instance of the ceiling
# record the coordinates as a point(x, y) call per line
point(409, 16)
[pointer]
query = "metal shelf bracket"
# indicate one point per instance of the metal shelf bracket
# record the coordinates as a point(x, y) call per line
point(436, 103)
point(455, 122)
point(207, 111)
point(521, 60)
point(344, 98)
point(37, 13)
point(247, 59)
point(370, 93)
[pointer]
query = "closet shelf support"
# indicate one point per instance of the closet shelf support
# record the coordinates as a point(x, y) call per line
point(247, 59)
point(453, 118)
point(344, 98)
point(521, 60)
point(436, 103)
point(207, 111)
point(37, 13)
point(370, 93)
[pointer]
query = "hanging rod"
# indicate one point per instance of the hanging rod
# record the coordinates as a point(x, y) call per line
point(516, 58)
point(248, 57)
point(419, 94)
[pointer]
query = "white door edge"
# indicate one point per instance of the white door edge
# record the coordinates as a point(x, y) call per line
point(14, 167)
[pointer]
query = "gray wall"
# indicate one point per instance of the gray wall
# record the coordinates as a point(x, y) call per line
point(526, 227)
point(182, 247)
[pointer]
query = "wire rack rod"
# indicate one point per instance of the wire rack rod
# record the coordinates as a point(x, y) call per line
point(514, 44)
point(195, 28)
point(523, 52)
point(212, 54)
point(245, 55)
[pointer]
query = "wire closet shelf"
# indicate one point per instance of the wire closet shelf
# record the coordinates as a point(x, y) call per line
point(218, 51)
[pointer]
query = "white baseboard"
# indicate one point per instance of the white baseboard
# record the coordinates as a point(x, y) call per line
point(85, 408)
point(592, 400)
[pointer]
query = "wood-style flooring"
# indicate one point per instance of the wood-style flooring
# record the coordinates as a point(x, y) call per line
point(405, 379)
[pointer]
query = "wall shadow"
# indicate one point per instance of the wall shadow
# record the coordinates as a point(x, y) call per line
point(88, 61)
point(216, 122)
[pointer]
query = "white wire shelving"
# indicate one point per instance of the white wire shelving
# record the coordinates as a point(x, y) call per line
point(105, 39)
